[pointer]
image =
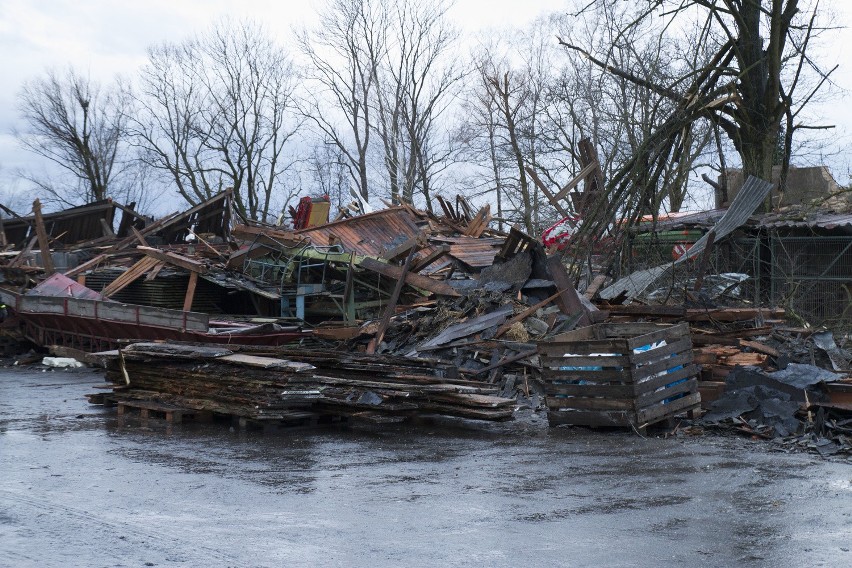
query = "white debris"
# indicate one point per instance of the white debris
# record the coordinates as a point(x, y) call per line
point(62, 362)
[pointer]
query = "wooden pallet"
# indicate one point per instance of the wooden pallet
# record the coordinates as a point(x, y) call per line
point(620, 375)
point(170, 413)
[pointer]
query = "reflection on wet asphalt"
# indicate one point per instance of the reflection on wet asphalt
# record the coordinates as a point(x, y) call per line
point(80, 487)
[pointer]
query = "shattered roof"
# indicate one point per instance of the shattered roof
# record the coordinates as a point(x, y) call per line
point(369, 235)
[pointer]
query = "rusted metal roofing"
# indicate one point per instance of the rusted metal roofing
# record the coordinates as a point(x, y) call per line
point(367, 235)
point(476, 253)
point(685, 220)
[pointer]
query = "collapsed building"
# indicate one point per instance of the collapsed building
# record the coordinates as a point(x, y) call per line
point(383, 315)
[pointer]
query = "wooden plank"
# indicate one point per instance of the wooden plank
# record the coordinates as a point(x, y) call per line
point(543, 188)
point(666, 351)
point(181, 261)
point(479, 222)
point(266, 362)
point(584, 173)
point(91, 263)
point(760, 348)
point(413, 279)
point(190, 291)
point(661, 411)
point(581, 403)
point(568, 300)
point(414, 243)
point(612, 391)
point(43, 245)
point(595, 285)
point(606, 361)
point(429, 259)
point(129, 276)
point(657, 396)
point(506, 360)
point(616, 347)
point(605, 375)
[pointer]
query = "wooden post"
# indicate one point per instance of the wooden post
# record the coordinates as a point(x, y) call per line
point(705, 259)
point(190, 291)
point(43, 243)
point(383, 325)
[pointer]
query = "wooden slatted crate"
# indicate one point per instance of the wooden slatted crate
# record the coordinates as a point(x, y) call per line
point(631, 374)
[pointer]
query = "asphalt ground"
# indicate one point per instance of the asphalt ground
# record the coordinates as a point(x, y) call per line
point(80, 486)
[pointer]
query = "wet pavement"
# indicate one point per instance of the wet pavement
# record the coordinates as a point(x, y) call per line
point(81, 487)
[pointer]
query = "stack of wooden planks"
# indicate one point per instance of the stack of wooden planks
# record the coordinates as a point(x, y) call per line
point(271, 384)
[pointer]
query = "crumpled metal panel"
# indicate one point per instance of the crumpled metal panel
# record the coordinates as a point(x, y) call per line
point(745, 203)
point(60, 286)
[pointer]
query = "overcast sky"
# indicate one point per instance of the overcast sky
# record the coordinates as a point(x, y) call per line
point(105, 37)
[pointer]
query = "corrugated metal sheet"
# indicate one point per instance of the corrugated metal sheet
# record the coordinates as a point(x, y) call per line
point(747, 200)
point(367, 235)
point(830, 221)
point(752, 194)
point(375, 233)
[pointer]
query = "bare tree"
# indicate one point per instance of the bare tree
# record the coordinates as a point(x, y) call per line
point(79, 127)
point(745, 85)
point(340, 79)
point(417, 75)
point(218, 112)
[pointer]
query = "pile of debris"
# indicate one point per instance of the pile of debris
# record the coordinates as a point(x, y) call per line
point(400, 311)
point(267, 385)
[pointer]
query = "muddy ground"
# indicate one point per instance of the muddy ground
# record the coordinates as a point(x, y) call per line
point(79, 487)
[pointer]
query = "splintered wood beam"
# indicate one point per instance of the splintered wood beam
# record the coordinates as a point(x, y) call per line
point(107, 230)
point(507, 360)
point(479, 222)
point(389, 311)
point(593, 288)
point(19, 258)
point(156, 271)
point(584, 173)
point(86, 265)
point(176, 259)
point(550, 197)
point(129, 276)
point(416, 280)
point(190, 291)
point(41, 234)
point(568, 300)
point(424, 262)
point(414, 243)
